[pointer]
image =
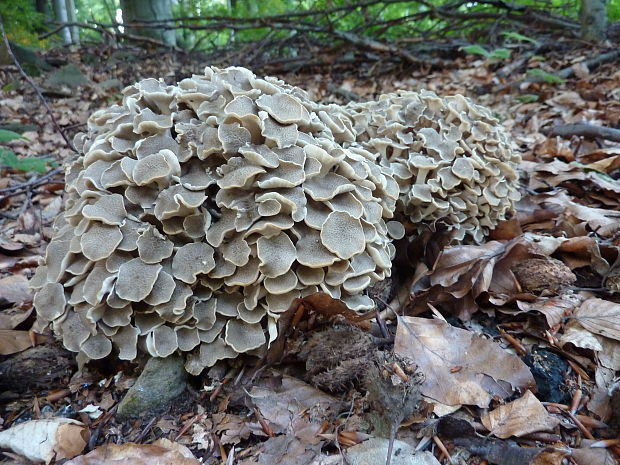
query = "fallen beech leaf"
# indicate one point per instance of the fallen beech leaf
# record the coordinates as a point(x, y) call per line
point(596, 456)
point(13, 341)
point(577, 335)
point(518, 418)
point(554, 309)
point(12, 317)
point(292, 406)
point(14, 289)
point(600, 317)
point(135, 454)
point(436, 347)
point(288, 450)
point(46, 440)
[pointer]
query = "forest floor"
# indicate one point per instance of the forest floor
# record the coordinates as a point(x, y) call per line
point(543, 288)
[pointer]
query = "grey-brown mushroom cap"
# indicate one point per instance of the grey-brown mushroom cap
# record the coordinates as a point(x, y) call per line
point(50, 301)
point(136, 279)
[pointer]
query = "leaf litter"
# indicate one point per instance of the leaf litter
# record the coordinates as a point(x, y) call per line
point(476, 334)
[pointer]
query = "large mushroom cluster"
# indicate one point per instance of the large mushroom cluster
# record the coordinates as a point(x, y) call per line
point(452, 161)
point(199, 212)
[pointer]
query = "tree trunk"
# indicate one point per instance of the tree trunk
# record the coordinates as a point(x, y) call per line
point(149, 10)
point(60, 8)
point(42, 6)
point(594, 20)
point(72, 16)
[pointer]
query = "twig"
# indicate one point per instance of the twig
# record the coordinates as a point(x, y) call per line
point(35, 88)
point(587, 130)
point(35, 182)
point(146, 430)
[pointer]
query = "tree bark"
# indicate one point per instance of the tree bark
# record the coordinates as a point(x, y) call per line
point(72, 16)
point(593, 20)
point(149, 10)
point(42, 6)
point(60, 8)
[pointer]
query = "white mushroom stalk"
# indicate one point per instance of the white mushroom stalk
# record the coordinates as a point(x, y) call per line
point(199, 212)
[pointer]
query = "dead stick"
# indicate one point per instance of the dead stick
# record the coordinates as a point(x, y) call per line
point(34, 86)
point(589, 131)
point(25, 186)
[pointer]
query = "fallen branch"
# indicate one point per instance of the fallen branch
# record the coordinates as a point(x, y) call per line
point(35, 88)
point(589, 131)
point(30, 184)
point(565, 73)
point(591, 63)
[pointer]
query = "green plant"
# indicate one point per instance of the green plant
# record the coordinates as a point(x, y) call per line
point(528, 98)
point(497, 54)
point(520, 37)
point(545, 76)
point(10, 160)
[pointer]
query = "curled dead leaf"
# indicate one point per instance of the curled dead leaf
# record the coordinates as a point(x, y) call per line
point(46, 440)
point(518, 418)
point(437, 347)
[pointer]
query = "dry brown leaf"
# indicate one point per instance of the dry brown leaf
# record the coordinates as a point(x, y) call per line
point(14, 289)
point(232, 429)
point(290, 405)
point(554, 308)
point(461, 273)
point(600, 317)
point(485, 369)
point(288, 450)
point(518, 418)
point(13, 341)
point(609, 356)
point(12, 317)
point(134, 454)
point(593, 456)
point(46, 440)
point(577, 335)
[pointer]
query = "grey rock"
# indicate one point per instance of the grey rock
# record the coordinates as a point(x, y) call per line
point(374, 452)
point(162, 380)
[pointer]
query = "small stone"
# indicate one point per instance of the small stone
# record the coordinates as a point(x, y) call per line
point(161, 381)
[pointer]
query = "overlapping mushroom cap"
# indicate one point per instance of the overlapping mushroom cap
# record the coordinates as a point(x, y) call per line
point(452, 160)
point(199, 212)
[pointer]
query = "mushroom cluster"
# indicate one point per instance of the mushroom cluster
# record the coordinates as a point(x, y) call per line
point(199, 212)
point(451, 159)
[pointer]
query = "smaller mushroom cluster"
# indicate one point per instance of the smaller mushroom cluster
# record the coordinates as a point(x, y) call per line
point(198, 214)
point(452, 160)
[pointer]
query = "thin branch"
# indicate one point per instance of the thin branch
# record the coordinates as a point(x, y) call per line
point(30, 184)
point(586, 130)
point(35, 88)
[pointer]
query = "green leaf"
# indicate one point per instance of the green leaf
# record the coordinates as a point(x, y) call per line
point(39, 165)
point(500, 54)
point(476, 50)
point(545, 76)
point(520, 37)
point(528, 98)
point(6, 135)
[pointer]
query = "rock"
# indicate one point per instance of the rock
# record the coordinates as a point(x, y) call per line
point(162, 380)
point(374, 451)
point(69, 75)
